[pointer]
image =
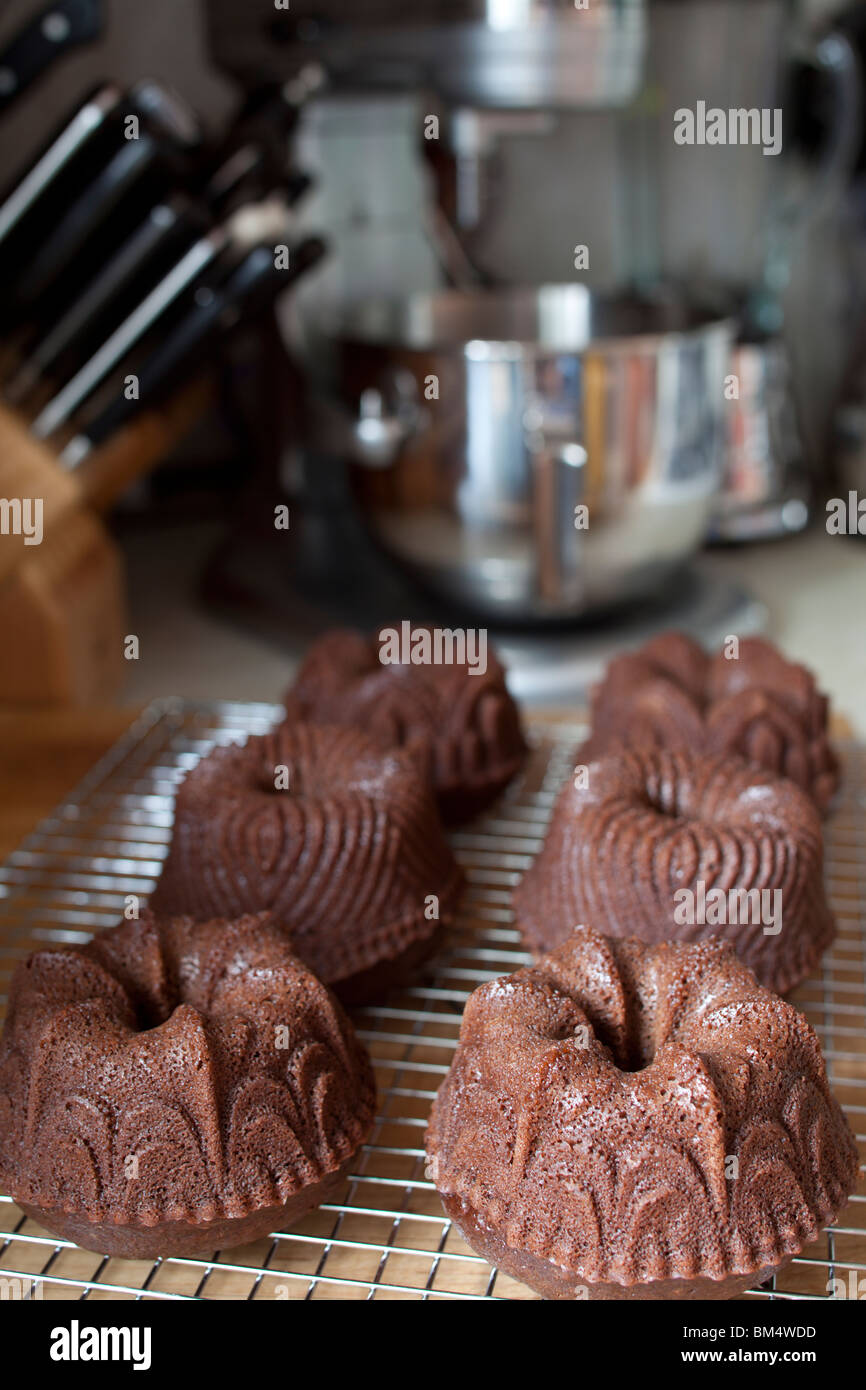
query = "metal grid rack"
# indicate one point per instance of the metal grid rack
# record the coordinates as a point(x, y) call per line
point(387, 1237)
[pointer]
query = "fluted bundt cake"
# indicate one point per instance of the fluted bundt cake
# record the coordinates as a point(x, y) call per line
point(336, 837)
point(632, 1121)
point(176, 1087)
point(668, 846)
point(466, 724)
point(759, 706)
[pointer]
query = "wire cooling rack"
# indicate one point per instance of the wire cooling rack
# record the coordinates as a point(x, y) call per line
point(387, 1236)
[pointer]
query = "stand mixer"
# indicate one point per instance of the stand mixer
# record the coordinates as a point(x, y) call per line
point(553, 134)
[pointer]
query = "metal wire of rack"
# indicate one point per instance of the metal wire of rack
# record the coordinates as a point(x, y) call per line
point(387, 1236)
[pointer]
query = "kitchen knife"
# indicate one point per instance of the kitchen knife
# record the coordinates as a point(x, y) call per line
point(167, 113)
point(146, 256)
point(266, 120)
point(76, 230)
point(139, 174)
point(241, 172)
point(246, 227)
point(85, 174)
point(61, 157)
point(142, 261)
point(114, 349)
point(58, 29)
point(273, 110)
point(168, 229)
point(216, 308)
point(248, 173)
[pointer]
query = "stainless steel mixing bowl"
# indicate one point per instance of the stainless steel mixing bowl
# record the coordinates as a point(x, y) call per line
point(536, 453)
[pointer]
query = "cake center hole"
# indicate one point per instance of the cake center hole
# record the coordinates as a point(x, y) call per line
point(665, 801)
point(638, 1056)
point(637, 1050)
point(152, 1013)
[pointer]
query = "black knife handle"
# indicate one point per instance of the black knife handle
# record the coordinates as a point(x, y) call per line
point(94, 226)
point(95, 205)
point(57, 199)
point(143, 259)
point(248, 290)
point(75, 145)
point(248, 175)
point(60, 27)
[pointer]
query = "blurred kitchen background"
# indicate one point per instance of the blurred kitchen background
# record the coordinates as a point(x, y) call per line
point(409, 420)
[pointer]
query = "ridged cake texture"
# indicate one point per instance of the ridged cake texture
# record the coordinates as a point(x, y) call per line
point(648, 824)
point(345, 856)
point(465, 726)
point(176, 1071)
point(672, 694)
point(624, 1115)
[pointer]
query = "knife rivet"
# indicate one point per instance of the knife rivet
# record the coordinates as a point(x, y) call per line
point(56, 27)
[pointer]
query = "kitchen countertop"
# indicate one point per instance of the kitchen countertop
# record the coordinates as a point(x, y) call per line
point(813, 586)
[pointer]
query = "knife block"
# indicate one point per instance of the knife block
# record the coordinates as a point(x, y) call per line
point(63, 614)
point(62, 610)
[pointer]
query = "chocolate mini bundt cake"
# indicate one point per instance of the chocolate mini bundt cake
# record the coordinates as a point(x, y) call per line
point(668, 846)
point(626, 1121)
point(466, 726)
point(762, 707)
point(174, 1087)
point(335, 836)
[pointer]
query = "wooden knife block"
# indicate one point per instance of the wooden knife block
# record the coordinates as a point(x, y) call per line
point(62, 609)
point(63, 614)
